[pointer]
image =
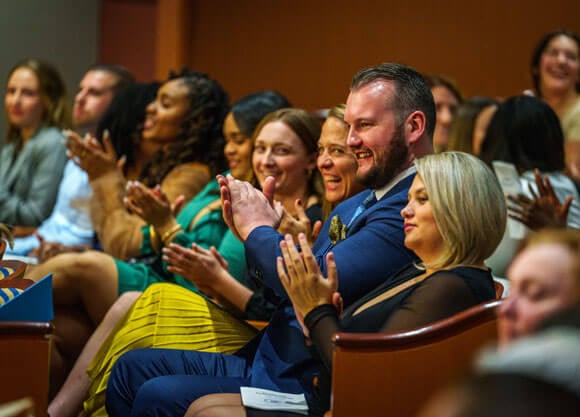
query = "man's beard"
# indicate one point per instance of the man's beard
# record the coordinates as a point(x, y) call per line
point(389, 163)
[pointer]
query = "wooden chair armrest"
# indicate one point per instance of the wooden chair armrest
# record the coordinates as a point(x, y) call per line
point(23, 231)
point(25, 328)
point(421, 335)
point(19, 268)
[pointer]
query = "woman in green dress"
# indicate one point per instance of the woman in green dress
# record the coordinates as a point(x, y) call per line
point(199, 221)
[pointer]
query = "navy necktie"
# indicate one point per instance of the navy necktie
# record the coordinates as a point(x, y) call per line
point(366, 203)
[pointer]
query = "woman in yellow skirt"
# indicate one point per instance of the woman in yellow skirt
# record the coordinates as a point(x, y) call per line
point(170, 316)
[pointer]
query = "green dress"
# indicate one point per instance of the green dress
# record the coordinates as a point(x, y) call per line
point(172, 317)
point(207, 230)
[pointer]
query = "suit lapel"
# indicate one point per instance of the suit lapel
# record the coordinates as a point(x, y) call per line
point(405, 183)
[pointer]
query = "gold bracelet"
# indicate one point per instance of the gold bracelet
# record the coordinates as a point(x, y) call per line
point(153, 238)
point(176, 228)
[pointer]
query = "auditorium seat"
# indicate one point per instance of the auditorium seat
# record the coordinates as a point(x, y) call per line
point(380, 374)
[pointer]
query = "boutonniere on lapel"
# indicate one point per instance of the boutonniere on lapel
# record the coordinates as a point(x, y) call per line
point(337, 230)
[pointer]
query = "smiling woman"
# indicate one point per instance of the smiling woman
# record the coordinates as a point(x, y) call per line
point(33, 158)
point(450, 228)
point(285, 144)
point(336, 163)
point(89, 283)
point(555, 70)
point(177, 148)
point(172, 315)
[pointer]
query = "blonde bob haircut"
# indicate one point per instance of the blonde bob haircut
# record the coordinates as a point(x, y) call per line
point(468, 206)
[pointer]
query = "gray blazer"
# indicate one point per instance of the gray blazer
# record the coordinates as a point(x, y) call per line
point(29, 184)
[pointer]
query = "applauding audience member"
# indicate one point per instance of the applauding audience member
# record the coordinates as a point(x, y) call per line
point(183, 124)
point(69, 227)
point(525, 132)
point(173, 316)
point(33, 157)
point(391, 115)
point(555, 72)
point(180, 150)
point(451, 229)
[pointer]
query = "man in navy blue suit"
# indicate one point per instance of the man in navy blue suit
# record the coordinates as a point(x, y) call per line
point(391, 115)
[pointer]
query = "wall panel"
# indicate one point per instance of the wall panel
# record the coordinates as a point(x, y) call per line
point(309, 50)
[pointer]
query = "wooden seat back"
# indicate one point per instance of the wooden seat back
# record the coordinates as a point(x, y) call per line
point(393, 374)
point(24, 350)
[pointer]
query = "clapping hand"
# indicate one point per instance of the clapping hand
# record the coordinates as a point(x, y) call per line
point(544, 209)
point(95, 159)
point(300, 224)
point(47, 250)
point(301, 276)
point(198, 265)
point(245, 208)
point(152, 205)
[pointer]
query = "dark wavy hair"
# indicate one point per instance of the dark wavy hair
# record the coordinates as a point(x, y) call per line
point(125, 117)
point(249, 110)
point(539, 50)
point(201, 139)
point(526, 132)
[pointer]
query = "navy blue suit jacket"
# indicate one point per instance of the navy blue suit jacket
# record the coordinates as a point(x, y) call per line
point(372, 252)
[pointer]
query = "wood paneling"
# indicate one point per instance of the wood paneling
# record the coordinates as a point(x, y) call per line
point(128, 36)
point(309, 50)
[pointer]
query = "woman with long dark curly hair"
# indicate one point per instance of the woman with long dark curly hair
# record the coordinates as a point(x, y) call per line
point(181, 132)
point(178, 148)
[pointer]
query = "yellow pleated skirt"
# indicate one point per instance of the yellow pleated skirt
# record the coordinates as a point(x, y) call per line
point(165, 316)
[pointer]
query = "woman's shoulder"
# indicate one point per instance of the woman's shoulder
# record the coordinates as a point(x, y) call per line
point(49, 135)
point(46, 141)
point(186, 179)
point(574, 108)
point(190, 169)
point(571, 121)
point(467, 271)
point(478, 280)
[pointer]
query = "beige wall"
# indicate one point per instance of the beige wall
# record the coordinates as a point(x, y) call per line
point(309, 50)
point(63, 32)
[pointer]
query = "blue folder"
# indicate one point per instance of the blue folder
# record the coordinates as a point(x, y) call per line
point(33, 304)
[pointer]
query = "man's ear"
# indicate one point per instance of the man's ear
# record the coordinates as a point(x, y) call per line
point(415, 126)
